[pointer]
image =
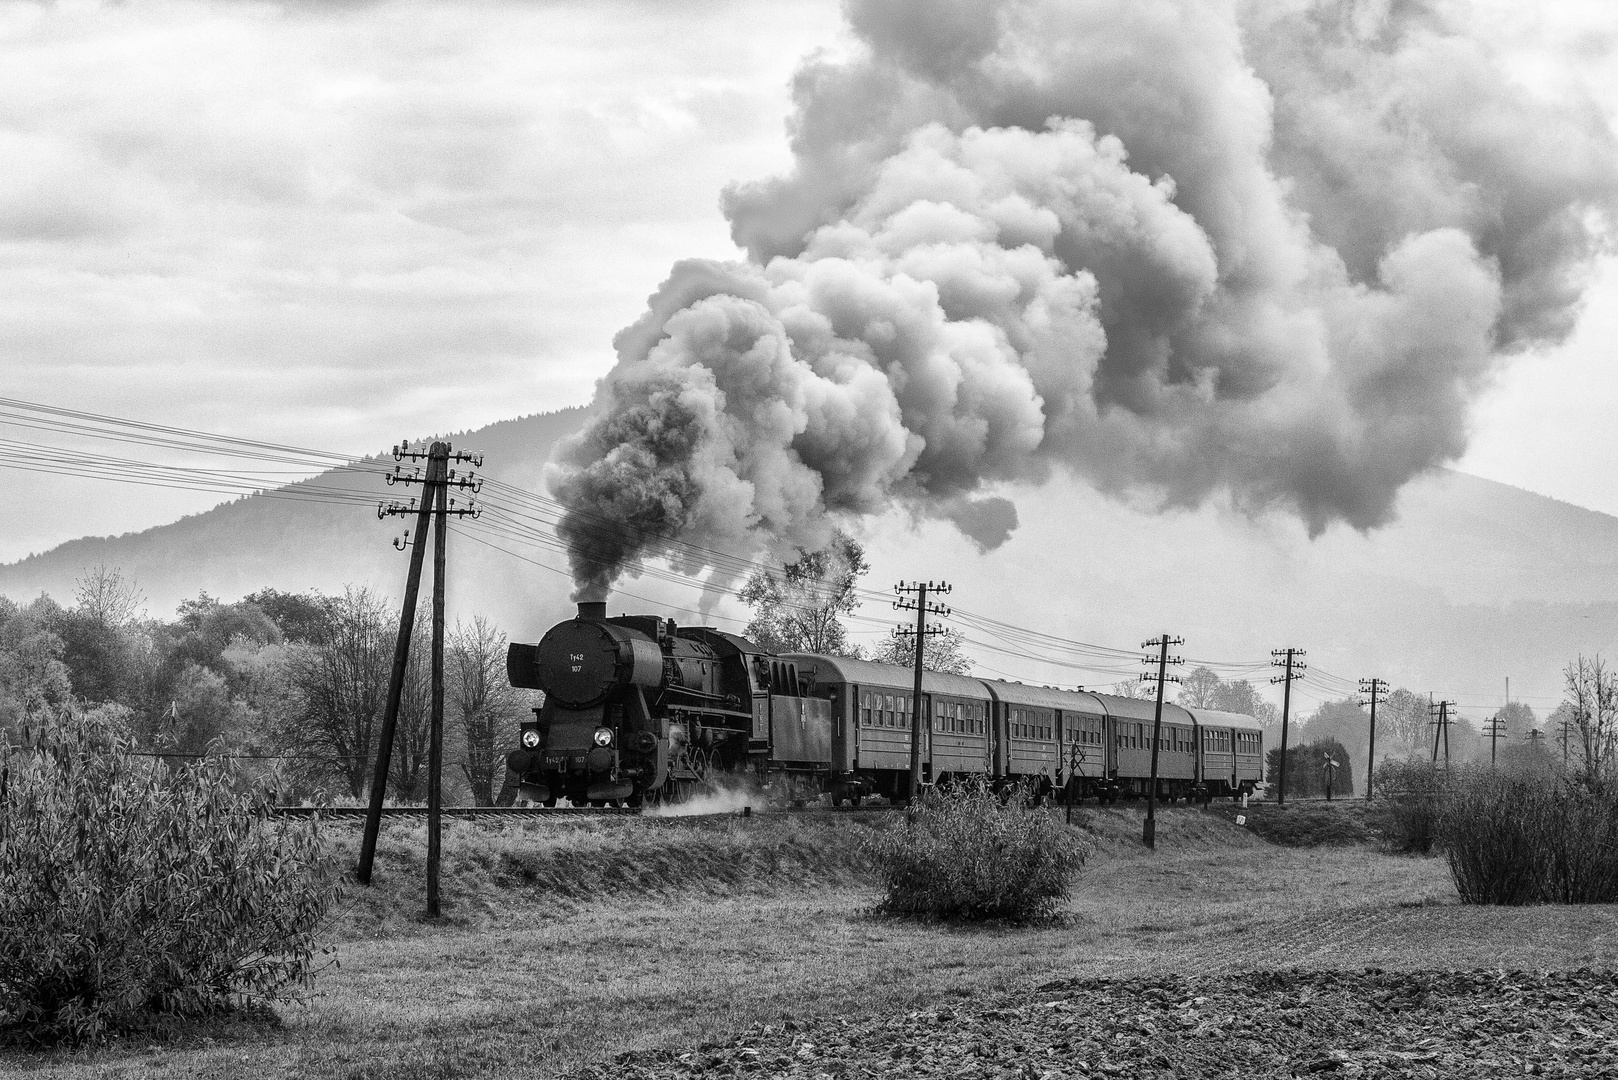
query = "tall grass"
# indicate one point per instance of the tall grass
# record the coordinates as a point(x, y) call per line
point(965, 854)
point(131, 892)
point(1511, 840)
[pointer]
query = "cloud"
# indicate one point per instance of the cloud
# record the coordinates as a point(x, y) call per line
point(337, 226)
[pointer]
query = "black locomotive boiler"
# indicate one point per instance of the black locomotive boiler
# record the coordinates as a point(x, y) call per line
point(640, 709)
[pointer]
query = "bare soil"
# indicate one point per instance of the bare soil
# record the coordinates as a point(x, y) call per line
point(1370, 1025)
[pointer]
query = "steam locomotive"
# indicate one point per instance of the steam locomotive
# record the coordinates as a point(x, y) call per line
point(641, 710)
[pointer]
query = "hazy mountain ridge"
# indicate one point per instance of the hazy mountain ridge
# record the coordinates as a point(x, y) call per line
point(1475, 580)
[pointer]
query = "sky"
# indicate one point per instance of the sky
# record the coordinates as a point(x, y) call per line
point(339, 225)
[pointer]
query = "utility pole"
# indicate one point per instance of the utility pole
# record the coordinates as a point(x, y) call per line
point(1289, 659)
point(923, 608)
point(435, 505)
point(1496, 732)
point(1162, 677)
point(1441, 728)
point(1373, 689)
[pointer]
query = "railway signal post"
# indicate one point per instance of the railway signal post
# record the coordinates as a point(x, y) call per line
point(1291, 659)
point(436, 506)
point(923, 608)
point(1372, 689)
point(1161, 677)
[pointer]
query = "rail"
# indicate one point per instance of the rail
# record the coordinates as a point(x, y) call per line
point(558, 811)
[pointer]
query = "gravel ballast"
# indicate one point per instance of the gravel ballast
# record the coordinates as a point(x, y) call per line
point(1265, 1024)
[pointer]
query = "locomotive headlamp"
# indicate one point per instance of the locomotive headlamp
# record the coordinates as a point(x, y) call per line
point(530, 739)
point(603, 736)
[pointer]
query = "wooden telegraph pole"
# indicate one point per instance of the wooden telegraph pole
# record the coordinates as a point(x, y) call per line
point(1373, 689)
point(1497, 729)
point(1441, 728)
point(1161, 643)
point(922, 608)
point(1289, 659)
point(437, 506)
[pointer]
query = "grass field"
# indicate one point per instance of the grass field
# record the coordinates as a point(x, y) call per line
point(706, 927)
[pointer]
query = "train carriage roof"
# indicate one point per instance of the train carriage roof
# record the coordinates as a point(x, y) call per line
point(886, 676)
point(1219, 719)
point(1045, 697)
point(1125, 708)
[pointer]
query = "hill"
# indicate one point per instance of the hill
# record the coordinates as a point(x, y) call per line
point(1476, 581)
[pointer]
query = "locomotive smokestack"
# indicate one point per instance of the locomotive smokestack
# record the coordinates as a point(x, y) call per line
point(592, 609)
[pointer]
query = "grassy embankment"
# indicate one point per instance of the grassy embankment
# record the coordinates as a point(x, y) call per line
point(566, 942)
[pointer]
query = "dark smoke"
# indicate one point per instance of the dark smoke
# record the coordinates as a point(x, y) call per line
point(1176, 247)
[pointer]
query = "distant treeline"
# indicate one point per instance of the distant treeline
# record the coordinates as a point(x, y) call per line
point(291, 684)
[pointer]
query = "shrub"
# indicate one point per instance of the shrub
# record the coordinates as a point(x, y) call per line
point(1491, 831)
point(1511, 840)
point(131, 891)
point(1410, 797)
point(1581, 847)
point(964, 854)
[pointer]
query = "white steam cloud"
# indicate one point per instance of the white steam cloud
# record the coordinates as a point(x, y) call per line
point(1176, 247)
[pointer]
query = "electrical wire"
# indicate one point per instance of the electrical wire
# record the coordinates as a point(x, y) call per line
point(518, 516)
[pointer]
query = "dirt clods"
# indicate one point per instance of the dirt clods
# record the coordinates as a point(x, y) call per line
point(1369, 1025)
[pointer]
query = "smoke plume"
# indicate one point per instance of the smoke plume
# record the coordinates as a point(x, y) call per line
point(1175, 247)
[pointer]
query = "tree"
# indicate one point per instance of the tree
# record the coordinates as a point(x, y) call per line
point(342, 687)
point(1345, 723)
point(1307, 771)
point(301, 617)
point(33, 680)
point(1199, 688)
point(1520, 719)
point(799, 608)
point(1237, 697)
point(202, 715)
point(1404, 716)
point(108, 597)
point(484, 703)
point(1134, 688)
point(1592, 702)
point(412, 738)
point(942, 653)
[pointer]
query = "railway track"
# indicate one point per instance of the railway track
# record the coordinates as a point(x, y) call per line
point(531, 812)
point(459, 811)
